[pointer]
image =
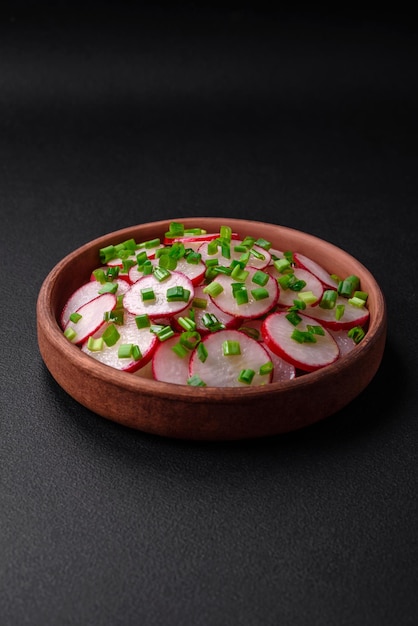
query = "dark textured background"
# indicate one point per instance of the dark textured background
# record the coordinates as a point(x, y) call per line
point(114, 116)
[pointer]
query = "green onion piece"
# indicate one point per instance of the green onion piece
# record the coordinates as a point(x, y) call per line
point(190, 339)
point(213, 247)
point(127, 264)
point(129, 244)
point(161, 273)
point(125, 350)
point(147, 294)
point(358, 302)
point(225, 232)
point(297, 285)
point(75, 317)
point(361, 294)
point(347, 286)
point(260, 278)
point(266, 368)
point(152, 243)
point(213, 289)
point(199, 303)
point(263, 243)
point(293, 318)
point(176, 229)
point(164, 333)
point(260, 293)
point(244, 258)
point(108, 288)
point(328, 300)
point(167, 261)
point(240, 248)
point(112, 273)
point(116, 315)
point(248, 241)
point(177, 294)
point(95, 345)
point(285, 280)
point(339, 311)
point(356, 334)
point(258, 255)
point(241, 295)
point(70, 334)
point(289, 256)
point(187, 323)
point(315, 329)
point(100, 275)
point(239, 274)
point(136, 352)
point(142, 321)
point(225, 249)
point(211, 322)
point(202, 352)
point(211, 262)
point(246, 376)
point(179, 350)
point(107, 254)
point(141, 258)
point(196, 381)
point(303, 336)
point(147, 268)
point(231, 347)
point(298, 305)
point(308, 297)
point(194, 257)
point(111, 335)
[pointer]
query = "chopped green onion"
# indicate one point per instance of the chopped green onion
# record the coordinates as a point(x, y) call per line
point(347, 286)
point(107, 254)
point(213, 247)
point(147, 294)
point(202, 352)
point(163, 333)
point(356, 334)
point(258, 255)
point(142, 321)
point(297, 285)
point(152, 243)
point(196, 381)
point(293, 318)
point(190, 339)
point(108, 288)
point(361, 294)
point(303, 336)
point(194, 258)
point(125, 350)
point(213, 289)
point(246, 376)
point(250, 331)
point(111, 335)
point(179, 350)
point(225, 232)
point(127, 264)
point(141, 258)
point(161, 273)
point(70, 333)
point(339, 311)
point(176, 229)
point(211, 322)
point(177, 294)
point(99, 275)
point(211, 262)
point(167, 261)
point(199, 303)
point(266, 368)
point(308, 297)
point(358, 302)
point(248, 241)
point(240, 248)
point(241, 295)
point(136, 352)
point(328, 300)
point(260, 278)
point(75, 317)
point(95, 345)
point(112, 273)
point(263, 243)
point(260, 293)
point(239, 274)
point(231, 347)
point(187, 323)
point(284, 281)
point(315, 329)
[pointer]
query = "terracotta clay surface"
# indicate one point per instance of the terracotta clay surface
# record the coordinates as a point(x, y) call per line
point(207, 413)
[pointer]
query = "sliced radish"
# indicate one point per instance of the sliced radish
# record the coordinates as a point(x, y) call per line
point(92, 317)
point(169, 367)
point(85, 293)
point(251, 309)
point(283, 370)
point(195, 239)
point(159, 306)
point(277, 331)
point(129, 334)
point(121, 274)
point(219, 370)
point(259, 263)
point(353, 315)
point(287, 296)
point(317, 270)
point(135, 273)
point(344, 342)
point(229, 321)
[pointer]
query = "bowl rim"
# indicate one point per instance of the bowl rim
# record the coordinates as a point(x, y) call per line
point(172, 391)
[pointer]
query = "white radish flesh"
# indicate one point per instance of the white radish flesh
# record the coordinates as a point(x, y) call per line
point(277, 332)
point(87, 292)
point(317, 270)
point(169, 367)
point(92, 317)
point(129, 334)
point(251, 309)
point(219, 370)
point(352, 316)
point(287, 296)
point(160, 306)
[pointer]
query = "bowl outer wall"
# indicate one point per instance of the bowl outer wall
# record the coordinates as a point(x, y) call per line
point(207, 413)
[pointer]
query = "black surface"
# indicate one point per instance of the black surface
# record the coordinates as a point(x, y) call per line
point(115, 118)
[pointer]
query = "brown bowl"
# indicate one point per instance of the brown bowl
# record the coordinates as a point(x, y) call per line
point(203, 413)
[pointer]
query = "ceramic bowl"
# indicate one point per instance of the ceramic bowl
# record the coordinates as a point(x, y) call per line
point(204, 413)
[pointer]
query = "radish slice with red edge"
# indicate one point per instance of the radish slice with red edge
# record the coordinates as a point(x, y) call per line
point(229, 354)
point(87, 292)
point(91, 317)
point(287, 296)
point(317, 270)
point(259, 259)
point(352, 316)
point(167, 365)
point(200, 313)
point(308, 356)
point(129, 334)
